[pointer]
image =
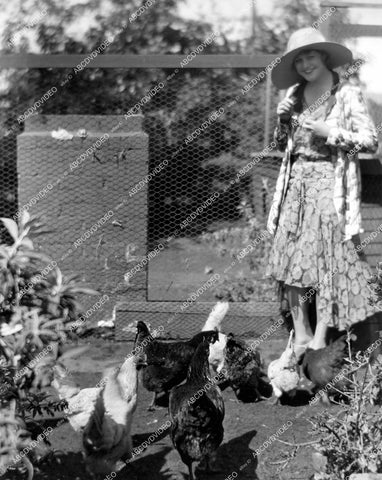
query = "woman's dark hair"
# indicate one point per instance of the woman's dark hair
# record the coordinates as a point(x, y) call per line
point(324, 56)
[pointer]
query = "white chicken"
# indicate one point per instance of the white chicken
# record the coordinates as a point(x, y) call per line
point(217, 350)
point(81, 402)
point(283, 372)
point(107, 436)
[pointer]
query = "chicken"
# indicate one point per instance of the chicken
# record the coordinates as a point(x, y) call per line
point(197, 412)
point(81, 402)
point(216, 358)
point(107, 435)
point(242, 369)
point(167, 363)
point(322, 366)
point(283, 372)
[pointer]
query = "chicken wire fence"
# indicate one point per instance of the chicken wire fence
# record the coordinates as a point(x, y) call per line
point(340, 27)
point(188, 220)
point(349, 23)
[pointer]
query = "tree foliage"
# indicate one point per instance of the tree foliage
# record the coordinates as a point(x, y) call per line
point(211, 160)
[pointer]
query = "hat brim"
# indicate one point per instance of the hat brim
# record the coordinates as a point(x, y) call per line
point(284, 75)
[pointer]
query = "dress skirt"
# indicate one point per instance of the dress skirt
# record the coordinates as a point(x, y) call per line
point(308, 250)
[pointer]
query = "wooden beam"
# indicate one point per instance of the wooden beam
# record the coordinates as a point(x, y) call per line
point(30, 60)
point(356, 30)
point(325, 26)
point(280, 155)
point(350, 4)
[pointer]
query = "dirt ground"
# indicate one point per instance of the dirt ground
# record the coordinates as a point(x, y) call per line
point(190, 257)
point(246, 427)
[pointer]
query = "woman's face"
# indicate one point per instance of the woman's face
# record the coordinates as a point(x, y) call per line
point(310, 65)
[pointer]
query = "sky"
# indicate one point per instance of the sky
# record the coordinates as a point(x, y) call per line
point(231, 17)
point(371, 48)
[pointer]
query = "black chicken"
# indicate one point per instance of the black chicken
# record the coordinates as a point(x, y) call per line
point(197, 413)
point(243, 371)
point(167, 362)
point(324, 367)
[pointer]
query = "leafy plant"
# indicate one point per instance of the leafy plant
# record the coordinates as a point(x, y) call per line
point(37, 308)
point(353, 436)
point(13, 438)
point(375, 283)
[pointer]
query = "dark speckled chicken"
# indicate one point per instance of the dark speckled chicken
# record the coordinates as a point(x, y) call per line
point(323, 365)
point(243, 370)
point(167, 362)
point(196, 413)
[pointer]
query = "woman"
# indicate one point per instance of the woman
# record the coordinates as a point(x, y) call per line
point(315, 214)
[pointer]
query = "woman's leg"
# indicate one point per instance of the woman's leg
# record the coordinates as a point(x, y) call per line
point(300, 314)
point(319, 339)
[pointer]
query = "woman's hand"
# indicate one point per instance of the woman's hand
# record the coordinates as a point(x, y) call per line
point(318, 127)
point(284, 109)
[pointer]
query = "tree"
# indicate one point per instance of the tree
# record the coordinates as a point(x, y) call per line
point(176, 110)
point(211, 160)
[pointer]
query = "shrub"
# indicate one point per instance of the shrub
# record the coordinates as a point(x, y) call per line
point(353, 436)
point(37, 306)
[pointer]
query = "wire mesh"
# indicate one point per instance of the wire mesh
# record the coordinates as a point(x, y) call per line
point(189, 207)
point(344, 26)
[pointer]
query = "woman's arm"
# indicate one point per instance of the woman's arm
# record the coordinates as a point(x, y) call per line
point(281, 134)
point(284, 118)
point(363, 136)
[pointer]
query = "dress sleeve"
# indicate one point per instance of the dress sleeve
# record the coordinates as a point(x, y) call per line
point(281, 134)
point(362, 137)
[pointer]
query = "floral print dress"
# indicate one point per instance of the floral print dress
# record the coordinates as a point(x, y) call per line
point(308, 248)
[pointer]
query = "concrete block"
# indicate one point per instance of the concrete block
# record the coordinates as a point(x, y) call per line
point(80, 197)
point(101, 123)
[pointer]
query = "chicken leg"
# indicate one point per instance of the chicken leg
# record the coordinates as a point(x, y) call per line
point(259, 396)
point(29, 467)
point(191, 470)
point(152, 405)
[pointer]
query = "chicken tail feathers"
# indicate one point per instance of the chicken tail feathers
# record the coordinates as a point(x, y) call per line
point(216, 316)
point(289, 345)
point(142, 333)
point(93, 435)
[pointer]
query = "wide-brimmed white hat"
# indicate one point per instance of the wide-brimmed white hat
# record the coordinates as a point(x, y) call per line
point(284, 75)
